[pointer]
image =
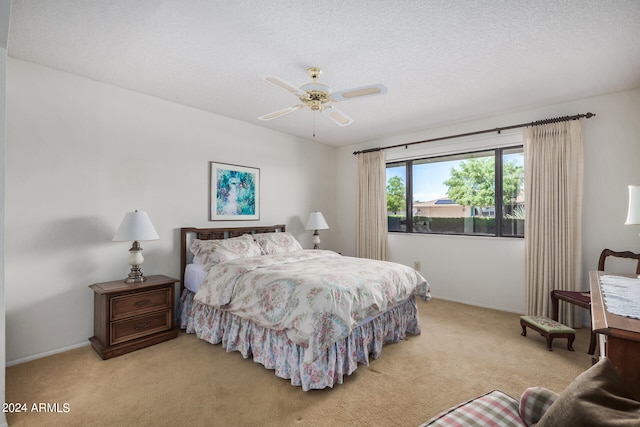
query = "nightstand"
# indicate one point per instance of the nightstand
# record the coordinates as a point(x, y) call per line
point(128, 317)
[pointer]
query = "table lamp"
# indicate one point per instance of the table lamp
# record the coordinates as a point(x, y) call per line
point(316, 222)
point(633, 215)
point(135, 227)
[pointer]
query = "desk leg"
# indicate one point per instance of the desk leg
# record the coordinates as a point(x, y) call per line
point(602, 342)
point(554, 305)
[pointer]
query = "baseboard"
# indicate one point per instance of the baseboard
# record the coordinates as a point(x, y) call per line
point(508, 310)
point(45, 354)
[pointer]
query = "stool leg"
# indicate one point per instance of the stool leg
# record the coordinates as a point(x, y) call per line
point(524, 329)
point(570, 342)
point(549, 342)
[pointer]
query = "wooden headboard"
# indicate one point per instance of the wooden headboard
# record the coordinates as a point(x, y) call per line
point(189, 233)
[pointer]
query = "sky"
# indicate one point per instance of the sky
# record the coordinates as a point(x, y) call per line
point(427, 184)
point(428, 179)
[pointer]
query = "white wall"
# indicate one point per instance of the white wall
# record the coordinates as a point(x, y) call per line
point(5, 9)
point(490, 271)
point(3, 62)
point(80, 154)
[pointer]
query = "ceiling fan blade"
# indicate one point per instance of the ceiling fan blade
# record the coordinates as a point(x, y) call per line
point(280, 113)
point(336, 115)
point(343, 95)
point(277, 81)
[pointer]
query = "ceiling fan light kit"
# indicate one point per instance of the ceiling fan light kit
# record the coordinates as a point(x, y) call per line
point(318, 96)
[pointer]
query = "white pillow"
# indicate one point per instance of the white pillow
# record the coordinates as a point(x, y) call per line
point(277, 243)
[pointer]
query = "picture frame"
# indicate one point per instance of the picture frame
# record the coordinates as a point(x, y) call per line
point(234, 192)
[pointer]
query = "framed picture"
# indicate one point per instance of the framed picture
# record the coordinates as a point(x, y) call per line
point(234, 192)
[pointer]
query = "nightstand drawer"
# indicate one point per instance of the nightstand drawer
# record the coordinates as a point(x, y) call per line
point(139, 303)
point(140, 326)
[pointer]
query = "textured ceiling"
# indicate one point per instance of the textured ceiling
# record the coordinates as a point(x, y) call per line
point(442, 61)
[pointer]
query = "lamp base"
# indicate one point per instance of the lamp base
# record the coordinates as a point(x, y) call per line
point(316, 240)
point(135, 276)
point(135, 261)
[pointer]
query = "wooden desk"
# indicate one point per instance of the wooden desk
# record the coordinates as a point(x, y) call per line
point(622, 335)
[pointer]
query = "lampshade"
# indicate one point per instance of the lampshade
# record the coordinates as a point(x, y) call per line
point(135, 226)
point(633, 216)
point(316, 222)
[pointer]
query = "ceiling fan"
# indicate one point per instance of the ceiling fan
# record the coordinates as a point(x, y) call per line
point(318, 97)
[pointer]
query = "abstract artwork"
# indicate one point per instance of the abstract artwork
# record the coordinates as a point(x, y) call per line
point(234, 192)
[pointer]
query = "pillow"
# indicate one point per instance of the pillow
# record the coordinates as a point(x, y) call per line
point(492, 409)
point(534, 402)
point(597, 397)
point(212, 252)
point(277, 243)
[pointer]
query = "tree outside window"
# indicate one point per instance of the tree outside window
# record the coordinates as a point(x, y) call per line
point(396, 195)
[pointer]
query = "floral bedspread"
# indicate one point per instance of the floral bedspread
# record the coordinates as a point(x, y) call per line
point(315, 296)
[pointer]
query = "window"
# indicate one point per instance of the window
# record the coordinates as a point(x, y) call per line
point(457, 194)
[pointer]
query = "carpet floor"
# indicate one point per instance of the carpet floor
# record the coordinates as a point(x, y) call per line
point(463, 351)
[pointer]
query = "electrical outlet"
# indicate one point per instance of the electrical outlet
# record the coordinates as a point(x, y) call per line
point(416, 265)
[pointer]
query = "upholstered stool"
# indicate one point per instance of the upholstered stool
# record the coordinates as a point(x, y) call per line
point(549, 329)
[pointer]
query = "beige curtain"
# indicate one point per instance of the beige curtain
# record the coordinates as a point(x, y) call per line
point(553, 212)
point(371, 226)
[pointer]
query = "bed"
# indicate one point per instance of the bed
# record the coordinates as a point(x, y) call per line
point(312, 316)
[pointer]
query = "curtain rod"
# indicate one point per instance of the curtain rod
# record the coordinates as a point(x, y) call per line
point(500, 129)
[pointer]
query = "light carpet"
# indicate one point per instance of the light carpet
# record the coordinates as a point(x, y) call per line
point(463, 351)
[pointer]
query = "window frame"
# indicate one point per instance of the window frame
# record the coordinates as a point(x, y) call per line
point(498, 153)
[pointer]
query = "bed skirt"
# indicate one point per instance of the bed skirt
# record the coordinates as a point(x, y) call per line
point(275, 351)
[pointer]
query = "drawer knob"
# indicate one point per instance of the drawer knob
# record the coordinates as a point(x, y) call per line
point(142, 303)
point(140, 326)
